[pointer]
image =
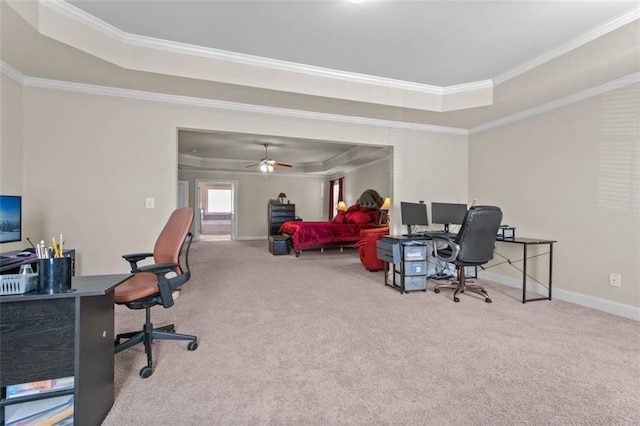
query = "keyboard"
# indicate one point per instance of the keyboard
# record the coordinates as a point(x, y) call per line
point(6, 260)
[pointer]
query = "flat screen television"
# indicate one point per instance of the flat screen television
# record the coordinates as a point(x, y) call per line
point(448, 214)
point(413, 214)
point(10, 218)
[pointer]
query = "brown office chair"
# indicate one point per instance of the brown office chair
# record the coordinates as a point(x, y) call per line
point(473, 246)
point(154, 284)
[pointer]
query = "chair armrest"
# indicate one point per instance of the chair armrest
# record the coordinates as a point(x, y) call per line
point(159, 268)
point(164, 284)
point(134, 258)
point(455, 249)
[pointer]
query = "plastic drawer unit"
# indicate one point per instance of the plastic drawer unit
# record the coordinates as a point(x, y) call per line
point(409, 260)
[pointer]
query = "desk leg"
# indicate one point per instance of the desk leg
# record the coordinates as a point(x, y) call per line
point(550, 267)
point(524, 274)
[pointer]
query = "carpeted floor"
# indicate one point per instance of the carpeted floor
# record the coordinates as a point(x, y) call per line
point(319, 340)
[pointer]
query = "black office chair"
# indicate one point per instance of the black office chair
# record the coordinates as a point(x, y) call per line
point(473, 246)
point(154, 284)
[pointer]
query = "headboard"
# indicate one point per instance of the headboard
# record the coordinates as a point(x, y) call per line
point(370, 198)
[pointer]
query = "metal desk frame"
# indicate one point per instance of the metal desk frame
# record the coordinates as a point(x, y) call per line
point(526, 242)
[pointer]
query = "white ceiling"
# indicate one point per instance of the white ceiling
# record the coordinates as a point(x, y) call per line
point(439, 43)
point(510, 44)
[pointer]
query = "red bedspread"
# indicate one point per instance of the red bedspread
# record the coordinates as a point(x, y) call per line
point(308, 234)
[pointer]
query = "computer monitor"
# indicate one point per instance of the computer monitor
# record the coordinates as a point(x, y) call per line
point(413, 214)
point(10, 218)
point(448, 214)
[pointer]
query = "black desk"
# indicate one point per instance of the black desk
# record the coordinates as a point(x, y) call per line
point(526, 242)
point(47, 336)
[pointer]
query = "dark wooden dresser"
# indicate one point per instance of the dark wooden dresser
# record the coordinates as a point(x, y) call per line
point(279, 214)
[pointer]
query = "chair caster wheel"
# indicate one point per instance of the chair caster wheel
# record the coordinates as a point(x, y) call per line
point(192, 346)
point(487, 300)
point(435, 290)
point(146, 372)
point(456, 299)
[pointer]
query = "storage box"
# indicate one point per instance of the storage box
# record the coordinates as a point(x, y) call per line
point(278, 244)
point(415, 268)
point(415, 283)
point(388, 252)
point(18, 283)
point(415, 252)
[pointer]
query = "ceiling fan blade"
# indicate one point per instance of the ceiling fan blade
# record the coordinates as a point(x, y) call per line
point(275, 163)
point(252, 165)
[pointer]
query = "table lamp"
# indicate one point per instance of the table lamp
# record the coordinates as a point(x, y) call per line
point(385, 210)
point(282, 196)
point(341, 206)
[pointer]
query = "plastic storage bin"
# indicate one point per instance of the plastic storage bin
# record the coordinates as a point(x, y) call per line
point(18, 284)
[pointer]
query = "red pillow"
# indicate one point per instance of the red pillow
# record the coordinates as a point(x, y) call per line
point(340, 217)
point(375, 216)
point(359, 218)
point(354, 208)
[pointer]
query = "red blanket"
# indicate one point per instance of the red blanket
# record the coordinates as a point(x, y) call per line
point(308, 234)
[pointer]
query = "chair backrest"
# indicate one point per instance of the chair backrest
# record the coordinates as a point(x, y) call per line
point(477, 235)
point(173, 235)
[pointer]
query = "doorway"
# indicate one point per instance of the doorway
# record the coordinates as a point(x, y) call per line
point(216, 202)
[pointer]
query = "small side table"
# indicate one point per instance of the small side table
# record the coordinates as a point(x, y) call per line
point(526, 242)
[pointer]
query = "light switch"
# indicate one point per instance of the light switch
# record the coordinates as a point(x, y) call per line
point(149, 202)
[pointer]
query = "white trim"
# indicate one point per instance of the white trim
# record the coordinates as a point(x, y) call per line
point(250, 238)
point(233, 106)
point(615, 308)
point(606, 28)
point(309, 175)
point(11, 72)
point(94, 23)
point(567, 100)
point(16, 75)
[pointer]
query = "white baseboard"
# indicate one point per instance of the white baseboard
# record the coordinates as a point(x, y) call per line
point(626, 311)
point(261, 237)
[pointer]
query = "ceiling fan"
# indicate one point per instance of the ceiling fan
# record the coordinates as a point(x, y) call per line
point(267, 164)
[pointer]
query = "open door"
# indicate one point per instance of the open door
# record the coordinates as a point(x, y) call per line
point(217, 214)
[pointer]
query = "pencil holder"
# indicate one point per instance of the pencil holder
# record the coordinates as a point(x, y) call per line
point(55, 275)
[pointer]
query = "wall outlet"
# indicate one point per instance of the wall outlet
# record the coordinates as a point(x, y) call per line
point(149, 202)
point(615, 280)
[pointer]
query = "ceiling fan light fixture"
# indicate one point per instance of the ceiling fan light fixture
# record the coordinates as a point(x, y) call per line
point(266, 167)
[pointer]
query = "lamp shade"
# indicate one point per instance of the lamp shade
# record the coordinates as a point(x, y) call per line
point(386, 205)
point(282, 195)
point(341, 206)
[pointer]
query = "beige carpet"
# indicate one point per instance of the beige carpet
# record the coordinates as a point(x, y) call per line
point(319, 340)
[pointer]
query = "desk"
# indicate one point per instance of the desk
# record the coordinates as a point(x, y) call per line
point(526, 242)
point(14, 266)
point(47, 336)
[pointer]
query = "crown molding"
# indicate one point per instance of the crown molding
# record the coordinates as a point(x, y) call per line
point(576, 97)
point(11, 72)
point(64, 22)
point(17, 76)
point(606, 28)
point(91, 21)
point(231, 106)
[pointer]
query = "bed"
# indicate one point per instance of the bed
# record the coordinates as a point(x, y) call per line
point(342, 231)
